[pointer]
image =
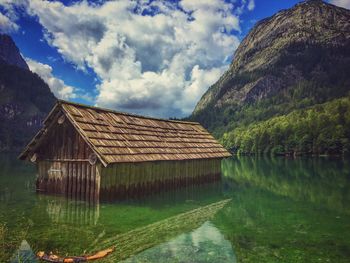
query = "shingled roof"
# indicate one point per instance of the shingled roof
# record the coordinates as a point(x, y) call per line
point(120, 137)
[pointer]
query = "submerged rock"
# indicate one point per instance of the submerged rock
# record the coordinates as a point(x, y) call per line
point(24, 254)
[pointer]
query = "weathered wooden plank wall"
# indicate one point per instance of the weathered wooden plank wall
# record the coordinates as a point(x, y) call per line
point(77, 180)
point(124, 180)
point(63, 143)
point(63, 166)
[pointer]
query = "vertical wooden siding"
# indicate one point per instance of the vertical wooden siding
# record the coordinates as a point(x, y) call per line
point(132, 179)
point(77, 180)
point(63, 166)
point(63, 143)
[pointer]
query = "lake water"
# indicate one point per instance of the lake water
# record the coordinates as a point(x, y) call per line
point(279, 210)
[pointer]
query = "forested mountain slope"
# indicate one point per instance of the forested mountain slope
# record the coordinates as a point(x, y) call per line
point(25, 98)
point(320, 129)
point(291, 61)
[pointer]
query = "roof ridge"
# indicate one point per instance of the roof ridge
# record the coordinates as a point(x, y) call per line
point(60, 101)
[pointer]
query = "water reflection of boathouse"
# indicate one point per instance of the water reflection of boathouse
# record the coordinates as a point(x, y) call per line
point(73, 211)
point(86, 152)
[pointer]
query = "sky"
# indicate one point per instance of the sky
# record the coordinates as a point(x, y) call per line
point(149, 57)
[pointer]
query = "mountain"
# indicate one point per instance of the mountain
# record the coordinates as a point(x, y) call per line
point(294, 60)
point(25, 98)
point(9, 53)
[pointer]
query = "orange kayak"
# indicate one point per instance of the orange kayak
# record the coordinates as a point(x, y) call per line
point(56, 259)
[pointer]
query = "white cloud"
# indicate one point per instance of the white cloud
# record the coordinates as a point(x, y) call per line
point(57, 86)
point(342, 3)
point(199, 82)
point(6, 25)
point(251, 5)
point(160, 63)
point(9, 14)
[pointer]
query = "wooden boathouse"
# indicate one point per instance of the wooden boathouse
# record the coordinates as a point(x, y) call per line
point(88, 152)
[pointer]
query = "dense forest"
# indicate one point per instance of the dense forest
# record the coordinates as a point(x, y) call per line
point(319, 129)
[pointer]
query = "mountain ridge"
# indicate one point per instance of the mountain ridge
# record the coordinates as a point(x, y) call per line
point(9, 53)
point(25, 98)
point(247, 56)
point(292, 60)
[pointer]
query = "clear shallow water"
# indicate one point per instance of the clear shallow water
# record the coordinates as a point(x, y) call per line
point(204, 244)
point(281, 210)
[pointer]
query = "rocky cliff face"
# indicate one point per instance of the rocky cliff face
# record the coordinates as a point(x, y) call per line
point(299, 55)
point(25, 98)
point(9, 53)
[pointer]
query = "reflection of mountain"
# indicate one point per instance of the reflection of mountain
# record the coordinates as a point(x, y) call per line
point(205, 244)
point(142, 238)
point(312, 179)
point(287, 210)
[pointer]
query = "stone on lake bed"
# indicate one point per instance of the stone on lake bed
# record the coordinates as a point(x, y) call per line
point(23, 254)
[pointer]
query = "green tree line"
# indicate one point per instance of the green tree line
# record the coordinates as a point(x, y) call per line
point(320, 129)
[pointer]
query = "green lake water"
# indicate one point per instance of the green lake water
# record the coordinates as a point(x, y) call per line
point(280, 210)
